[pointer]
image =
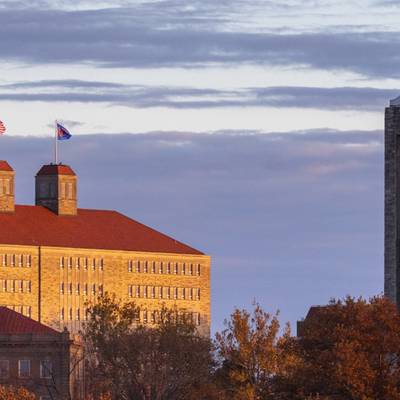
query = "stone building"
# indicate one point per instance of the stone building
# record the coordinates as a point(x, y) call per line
point(56, 257)
point(392, 201)
point(46, 362)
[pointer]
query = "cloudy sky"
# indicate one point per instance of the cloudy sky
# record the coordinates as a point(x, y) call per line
point(249, 129)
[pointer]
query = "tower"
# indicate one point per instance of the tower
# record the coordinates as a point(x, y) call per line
point(392, 201)
point(7, 201)
point(56, 189)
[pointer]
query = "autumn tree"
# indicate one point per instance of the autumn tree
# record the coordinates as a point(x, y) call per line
point(127, 360)
point(250, 354)
point(349, 350)
point(13, 393)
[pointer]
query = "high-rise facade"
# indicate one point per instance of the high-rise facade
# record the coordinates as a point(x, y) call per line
point(392, 201)
point(55, 258)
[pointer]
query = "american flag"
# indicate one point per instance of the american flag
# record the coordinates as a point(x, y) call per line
point(2, 128)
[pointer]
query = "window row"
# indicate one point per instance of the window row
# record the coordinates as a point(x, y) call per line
point(83, 262)
point(161, 267)
point(15, 286)
point(83, 289)
point(24, 310)
point(153, 317)
point(16, 260)
point(79, 315)
point(143, 316)
point(163, 292)
point(24, 368)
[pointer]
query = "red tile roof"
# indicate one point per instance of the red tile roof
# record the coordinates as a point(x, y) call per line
point(5, 166)
point(56, 169)
point(12, 323)
point(89, 229)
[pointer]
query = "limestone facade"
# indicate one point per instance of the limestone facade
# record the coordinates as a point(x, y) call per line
point(56, 285)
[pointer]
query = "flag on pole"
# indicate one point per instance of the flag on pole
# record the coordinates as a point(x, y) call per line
point(62, 132)
point(2, 128)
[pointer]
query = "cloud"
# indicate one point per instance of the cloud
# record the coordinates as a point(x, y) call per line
point(338, 98)
point(170, 34)
point(291, 219)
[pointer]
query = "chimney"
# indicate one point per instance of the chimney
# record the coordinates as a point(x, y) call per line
point(7, 199)
point(56, 189)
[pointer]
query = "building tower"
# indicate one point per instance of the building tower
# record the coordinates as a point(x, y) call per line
point(56, 189)
point(392, 201)
point(7, 203)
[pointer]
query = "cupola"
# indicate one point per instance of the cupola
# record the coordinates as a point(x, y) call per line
point(7, 198)
point(56, 189)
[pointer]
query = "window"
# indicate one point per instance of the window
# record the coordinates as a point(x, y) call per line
point(198, 294)
point(94, 264)
point(138, 266)
point(78, 262)
point(101, 264)
point(70, 262)
point(24, 368)
point(28, 312)
point(62, 262)
point(101, 290)
point(152, 317)
point(145, 292)
point(62, 316)
point(160, 292)
point(168, 268)
point(85, 290)
point(45, 369)
point(153, 292)
point(145, 317)
point(183, 269)
point(4, 369)
point(28, 260)
point(4, 258)
point(130, 266)
point(130, 291)
point(78, 314)
point(85, 263)
point(70, 288)
point(137, 291)
point(198, 269)
point(191, 269)
point(28, 286)
point(94, 289)
point(153, 267)
point(183, 294)
point(70, 314)
point(161, 269)
point(78, 289)
point(191, 294)
point(168, 292)
point(198, 319)
point(175, 293)
point(145, 267)
point(20, 260)
point(13, 260)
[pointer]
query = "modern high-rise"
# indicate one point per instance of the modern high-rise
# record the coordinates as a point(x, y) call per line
point(55, 258)
point(392, 201)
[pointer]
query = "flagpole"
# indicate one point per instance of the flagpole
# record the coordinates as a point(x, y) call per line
point(55, 143)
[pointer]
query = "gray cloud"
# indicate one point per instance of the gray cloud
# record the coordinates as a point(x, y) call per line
point(167, 34)
point(339, 98)
point(289, 218)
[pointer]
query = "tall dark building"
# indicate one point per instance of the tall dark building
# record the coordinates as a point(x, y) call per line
point(392, 201)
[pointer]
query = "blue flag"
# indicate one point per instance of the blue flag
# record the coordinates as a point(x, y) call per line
point(62, 133)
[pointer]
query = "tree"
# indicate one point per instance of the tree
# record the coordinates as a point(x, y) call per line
point(250, 354)
point(349, 350)
point(132, 361)
point(13, 393)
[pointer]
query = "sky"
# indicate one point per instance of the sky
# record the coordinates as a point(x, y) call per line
point(251, 130)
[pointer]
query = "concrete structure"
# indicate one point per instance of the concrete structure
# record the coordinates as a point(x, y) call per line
point(46, 362)
point(56, 258)
point(392, 201)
